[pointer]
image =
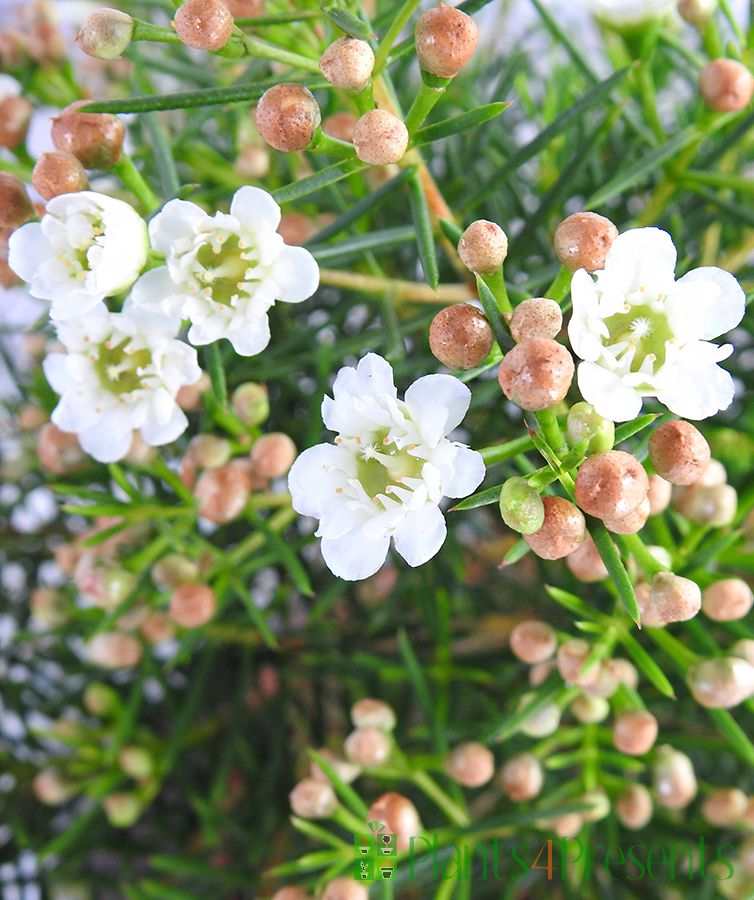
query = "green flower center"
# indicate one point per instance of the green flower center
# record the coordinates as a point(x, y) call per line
point(117, 369)
point(644, 328)
point(383, 464)
point(225, 267)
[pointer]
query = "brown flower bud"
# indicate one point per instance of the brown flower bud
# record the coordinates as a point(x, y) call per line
point(721, 683)
point(189, 397)
point(58, 173)
point(95, 139)
point(15, 114)
point(51, 788)
point(59, 452)
point(340, 125)
point(399, 815)
point(173, 570)
point(585, 562)
point(368, 747)
point(533, 641)
point(611, 484)
point(582, 241)
point(673, 778)
point(633, 807)
point(631, 522)
point(679, 452)
point(744, 648)
point(521, 778)
point(369, 713)
point(157, 627)
point(726, 85)
point(347, 64)
point(14, 49)
point(624, 671)
point(296, 228)
point(272, 455)
point(589, 709)
point(114, 650)
point(674, 599)
point(659, 494)
point(727, 600)
point(380, 138)
point(460, 336)
point(345, 888)
point(105, 33)
point(253, 162)
point(635, 732)
point(536, 318)
point(572, 656)
point(715, 506)
point(192, 605)
point(725, 807)
point(470, 764)
point(287, 117)
point(563, 530)
point(483, 247)
point(203, 24)
point(446, 39)
point(536, 373)
point(222, 493)
point(15, 205)
point(312, 799)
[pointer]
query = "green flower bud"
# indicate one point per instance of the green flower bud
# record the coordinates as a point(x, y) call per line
point(106, 33)
point(586, 424)
point(122, 809)
point(136, 761)
point(251, 403)
point(521, 506)
point(100, 699)
point(117, 584)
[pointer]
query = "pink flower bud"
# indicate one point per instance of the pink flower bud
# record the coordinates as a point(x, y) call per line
point(95, 139)
point(536, 318)
point(460, 337)
point(312, 799)
point(399, 815)
point(114, 650)
point(726, 85)
point(586, 564)
point(582, 241)
point(563, 530)
point(533, 641)
point(635, 732)
point(725, 807)
point(58, 173)
point(470, 764)
point(659, 494)
point(572, 656)
point(727, 600)
point(380, 138)
point(521, 778)
point(536, 374)
point(15, 205)
point(222, 493)
point(368, 747)
point(679, 452)
point(193, 605)
point(721, 683)
point(611, 484)
point(674, 599)
point(15, 115)
point(204, 24)
point(483, 247)
point(51, 788)
point(287, 117)
point(272, 455)
point(105, 33)
point(446, 39)
point(633, 807)
point(673, 778)
point(347, 64)
point(369, 713)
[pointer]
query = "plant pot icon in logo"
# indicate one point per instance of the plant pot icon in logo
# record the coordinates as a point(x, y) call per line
point(364, 869)
point(364, 844)
point(386, 870)
point(387, 844)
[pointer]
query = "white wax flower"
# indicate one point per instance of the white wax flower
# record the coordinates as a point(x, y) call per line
point(387, 470)
point(630, 13)
point(224, 272)
point(87, 247)
point(121, 373)
point(641, 333)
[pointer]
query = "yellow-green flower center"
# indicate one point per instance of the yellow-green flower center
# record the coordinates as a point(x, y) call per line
point(225, 266)
point(645, 329)
point(117, 370)
point(382, 464)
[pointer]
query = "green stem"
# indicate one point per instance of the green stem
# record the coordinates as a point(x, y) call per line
point(501, 452)
point(548, 422)
point(160, 34)
point(324, 143)
point(433, 790)
point(262, 50)
point(560, 287)
point(134, 181)
point(391, 35)
point(424, 103)
point(633, 544)
point(496, 283)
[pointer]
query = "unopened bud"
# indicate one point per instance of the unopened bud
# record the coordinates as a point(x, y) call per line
point(540, 672)
point(631, 522)
point(287, 117)
point(635, 732)
point(157, 627)
point(726, 85)
point(346, 771)
point(59, 452)
point(521, 506)
point(312, 799)
point(222, 493)
point(470, 764)
point(634, 807)
point(105, 33)
point(117, 584)
point(14, 49)
point(590, 710)
point(611, 484)
point(192, 605)
point(673, 778)
point(599, 805)
point(697, 12)
point(100, 699)
point(536, 374)
point(58, 173)
point(51, 788)
point(189, 397)
point(659, 494)
point(122, 809)
point(725, 807)
point(272, 455)
point(399, 816)
point(483, 247)
point(172, 570)
point(715, 506)
point(249, 9)
point(584, 423)
point(208, 451)
point(562, 531)
point(136, 761)
point(345, 888)
point(380, 138)
point(542, 722)
point(369, 713)
point(572, 657)
point(15, 115)
point(203, 24)
point(536, 318)
point(292, 892)
point(95, 139)
point(521, 778)
point(533, 641)
point(583, 240)
point(446, 39)
point(623, 671)
point(296, 228)
point(586, 563)
point(340, 125)
point(744, 648)
point(721, 683)
point(368, 747)
point(679, 452)
point(140, 453)
point(253, 162)
point(114, 650)
point(460, 337)
point(673, 598)
point(605, 684)
point(16, 207)
point(347, 64)
point(727, 600)
point(566, 826)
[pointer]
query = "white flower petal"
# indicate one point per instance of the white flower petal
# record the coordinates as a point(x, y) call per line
point(313, 479)
point(158, 433)
point(27, 247)
point(438, 404)
point(468, 473)
point(110, 439)
point(251, 338)
point(56, 372)
point(421, 534)
point(716, 305)
point(695, 387)
point(639, 257)
point(251, 205)
point(355, 556)
point(176, 221)
point(607, 393)
point(296, 274)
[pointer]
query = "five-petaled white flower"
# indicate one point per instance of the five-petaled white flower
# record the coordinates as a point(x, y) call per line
point(641, 333)
point(87, 247)
point(389, 468)
point(224, 272)
point(121, 372)
point(630, 13)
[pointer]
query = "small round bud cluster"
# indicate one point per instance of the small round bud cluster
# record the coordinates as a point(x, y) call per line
point(584, 423)
point(59, 451)
point(95, 139)
point(679, 452)
point(659, 494)
point(635, 732)
point(536, 374)
point(460, 336)
point(57, 173)
point(380, 138)
point(345, 888)
point(470, 764)
point(272, 455)
point(673, 778)
point(446, 39)
point(287, 117)
point(611, 485)
point(536, 318)
point(571, 659)
point(483, 247)
point(348, 64)
point(633, 807)
point(222, 493)
point(204, 24)
point(312, 799)
point(562, 531)
point(114, 650)
point(727, 600)
point(533, 641)
point(399, 816)
point(673, 599)
point(521, 778)
point(582, 241)
point(697, 12)
point(105, 33)
point(726, 85)
point(521, 506)
point(192, 605)
point(725, 807)
point(16, 207)
point(368, 747)
point(586, 563)
point(541, 722)
point(721, 683)
point(370, 713)
point(15, 115)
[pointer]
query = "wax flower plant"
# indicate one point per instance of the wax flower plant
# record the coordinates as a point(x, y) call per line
point(374, 483)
